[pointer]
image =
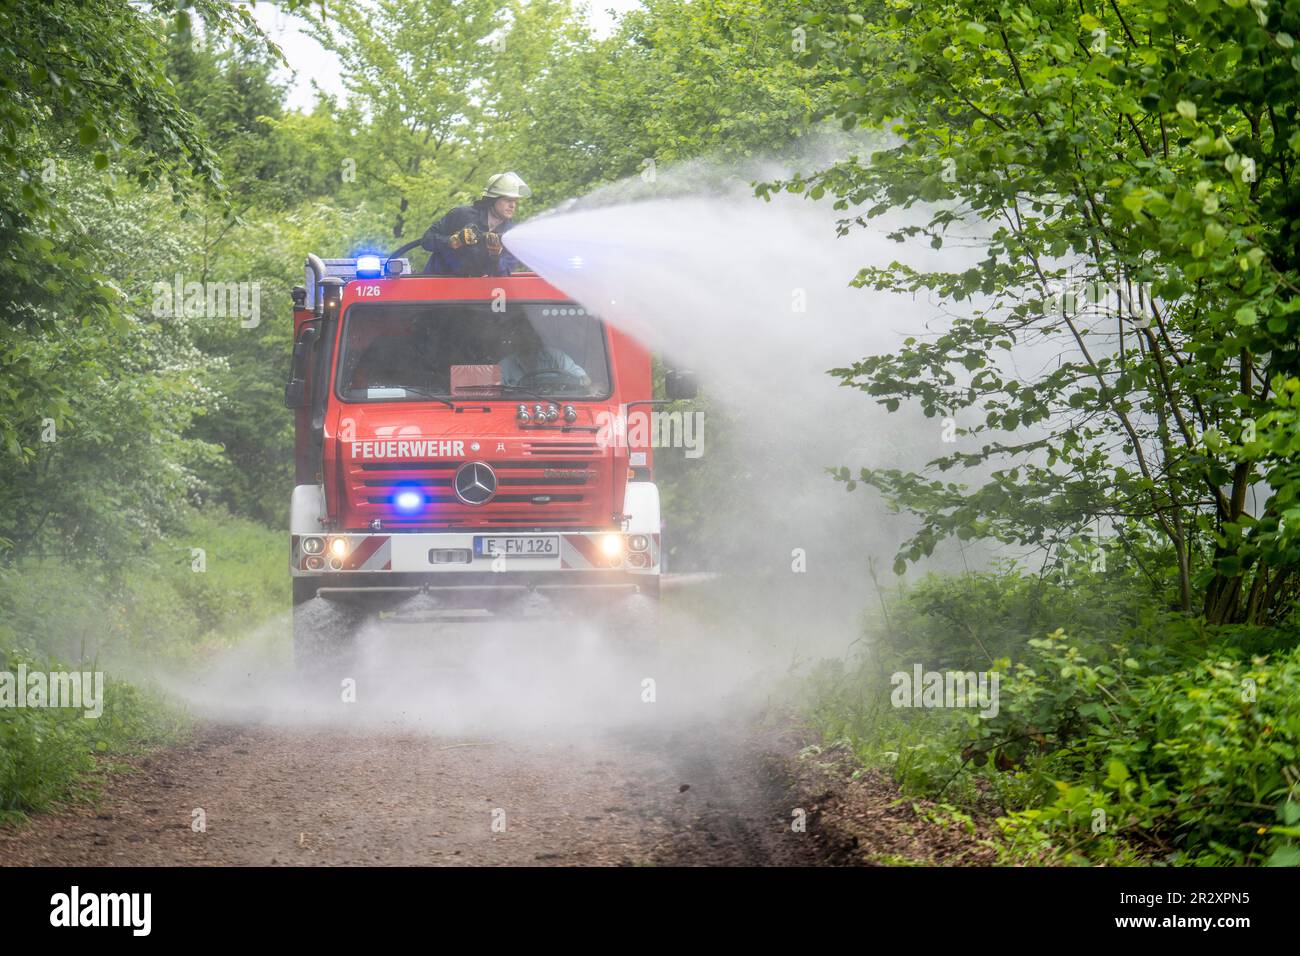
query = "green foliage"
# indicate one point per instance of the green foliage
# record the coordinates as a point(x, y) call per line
point(103, 456)
point(1138, 737)
point(1145, 153)
point(972, 620)
point(48, 754)
point(68, 91)
point(112, 616)
point(1275, 444)
point(435, 90)
point(1196, 762)
point(99, 397)
point(155, 606)
point(100, 394)
point(675, 81)
point(235, 102)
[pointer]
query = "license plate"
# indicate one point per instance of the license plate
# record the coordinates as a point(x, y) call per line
point(544, 546)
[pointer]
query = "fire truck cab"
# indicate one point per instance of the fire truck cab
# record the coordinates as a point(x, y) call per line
point(465, 438)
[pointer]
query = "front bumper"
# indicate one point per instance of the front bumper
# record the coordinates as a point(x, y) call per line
point(577, 558)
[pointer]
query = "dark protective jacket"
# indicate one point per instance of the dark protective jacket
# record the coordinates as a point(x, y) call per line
point(468, 260)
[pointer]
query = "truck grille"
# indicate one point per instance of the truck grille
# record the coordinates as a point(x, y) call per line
point(539, 492)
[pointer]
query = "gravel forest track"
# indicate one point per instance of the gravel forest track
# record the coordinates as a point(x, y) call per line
point(317, 797)
point(520, 748)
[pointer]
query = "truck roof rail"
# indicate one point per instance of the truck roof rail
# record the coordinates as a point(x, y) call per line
point(345, 269)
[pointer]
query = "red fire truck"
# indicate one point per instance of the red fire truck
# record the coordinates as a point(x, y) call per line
point(465, 438)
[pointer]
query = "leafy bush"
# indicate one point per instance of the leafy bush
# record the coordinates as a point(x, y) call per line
point(971, 620)
point(1199, 764)
point(46, 753)
point(1141, 736)
point(154, 603)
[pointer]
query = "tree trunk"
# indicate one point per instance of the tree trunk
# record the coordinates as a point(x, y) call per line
point(400, 223)
point(1222, 600)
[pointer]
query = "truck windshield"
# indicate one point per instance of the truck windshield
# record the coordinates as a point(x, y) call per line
point(411, 351)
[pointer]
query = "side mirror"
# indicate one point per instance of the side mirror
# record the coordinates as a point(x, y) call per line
point(680, 385)
point(295, 392)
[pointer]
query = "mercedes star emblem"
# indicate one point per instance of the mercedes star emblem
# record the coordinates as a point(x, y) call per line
point(475, 483)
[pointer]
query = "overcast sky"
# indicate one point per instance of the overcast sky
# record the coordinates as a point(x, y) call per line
point(312, 64)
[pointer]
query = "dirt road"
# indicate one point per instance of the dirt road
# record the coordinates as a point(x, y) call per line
point(524, 745)
point(537, 744)
point(325, 797)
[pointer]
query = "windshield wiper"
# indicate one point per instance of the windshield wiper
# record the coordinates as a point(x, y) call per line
point(428, 394)
point(524, 390)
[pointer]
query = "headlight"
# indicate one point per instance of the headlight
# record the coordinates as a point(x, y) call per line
point(339, 547)
point(612, 545)
point(313, 545)
point(638, 542)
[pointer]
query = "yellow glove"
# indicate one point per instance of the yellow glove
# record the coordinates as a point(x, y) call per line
point(463, 237)
point(493, 241)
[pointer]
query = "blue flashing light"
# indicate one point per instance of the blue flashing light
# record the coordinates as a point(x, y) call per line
point(369, 267)
point(408, 502)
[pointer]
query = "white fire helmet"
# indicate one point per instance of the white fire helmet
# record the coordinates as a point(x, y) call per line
point(506, 186)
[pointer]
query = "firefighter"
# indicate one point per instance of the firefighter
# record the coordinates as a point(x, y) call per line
point(532, 363)
point(467, 241)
